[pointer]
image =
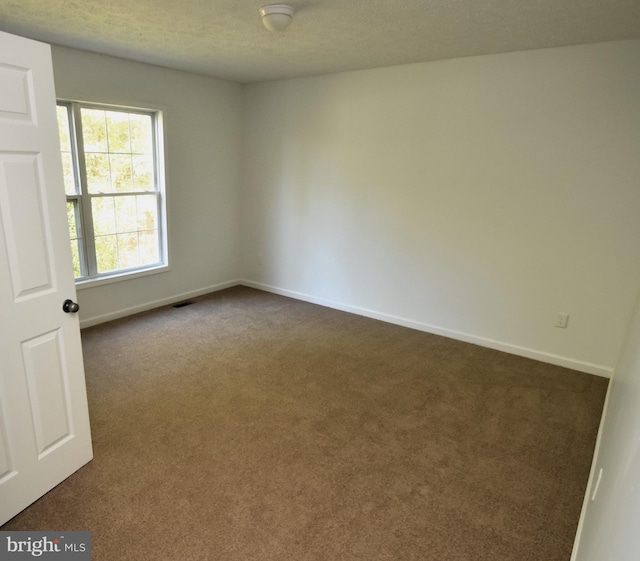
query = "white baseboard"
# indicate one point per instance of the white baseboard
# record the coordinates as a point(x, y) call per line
point(542, 356)
point(156, 304)
point(549, 358)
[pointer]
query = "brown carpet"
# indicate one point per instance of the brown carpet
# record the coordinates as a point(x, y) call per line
point(248, 426)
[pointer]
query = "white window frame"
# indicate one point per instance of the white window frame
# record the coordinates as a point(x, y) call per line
point(82, 197)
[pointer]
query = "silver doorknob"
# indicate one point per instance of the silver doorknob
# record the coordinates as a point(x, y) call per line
point(70, 307)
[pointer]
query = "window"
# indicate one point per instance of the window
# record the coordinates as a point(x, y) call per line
point(112, 163)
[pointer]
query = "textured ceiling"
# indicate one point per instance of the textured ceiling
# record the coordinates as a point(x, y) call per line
point(225, 38)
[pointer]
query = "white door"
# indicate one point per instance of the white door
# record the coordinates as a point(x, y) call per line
point(44, 421)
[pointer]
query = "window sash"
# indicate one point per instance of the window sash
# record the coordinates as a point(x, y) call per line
point(83, 200)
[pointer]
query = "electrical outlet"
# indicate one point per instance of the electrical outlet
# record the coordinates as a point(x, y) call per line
point(562, 320)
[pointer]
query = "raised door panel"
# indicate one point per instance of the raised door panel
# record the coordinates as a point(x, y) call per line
point(47, 380)
point(26, 239)
point(16, 94)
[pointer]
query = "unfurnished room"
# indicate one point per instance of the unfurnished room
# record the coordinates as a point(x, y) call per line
point(320, 280)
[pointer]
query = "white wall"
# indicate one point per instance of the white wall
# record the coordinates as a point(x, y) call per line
point(202, 118)
point(473, 197)
point(609, 527)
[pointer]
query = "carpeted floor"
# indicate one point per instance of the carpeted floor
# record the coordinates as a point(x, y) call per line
point(248, 426)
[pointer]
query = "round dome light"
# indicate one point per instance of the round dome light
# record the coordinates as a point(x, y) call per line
point(276, 17)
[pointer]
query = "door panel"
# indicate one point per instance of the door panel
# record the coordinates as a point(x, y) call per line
point(48, 388)
point(26, 239)
point(44, 420)
point(16, 95)
point(6, 470)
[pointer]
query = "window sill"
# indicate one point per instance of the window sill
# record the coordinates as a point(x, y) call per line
point(118, 277)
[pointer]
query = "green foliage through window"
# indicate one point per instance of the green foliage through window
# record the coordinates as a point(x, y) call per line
point(110, 169)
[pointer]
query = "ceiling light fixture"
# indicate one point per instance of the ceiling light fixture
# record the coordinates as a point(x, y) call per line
point(276, 17)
